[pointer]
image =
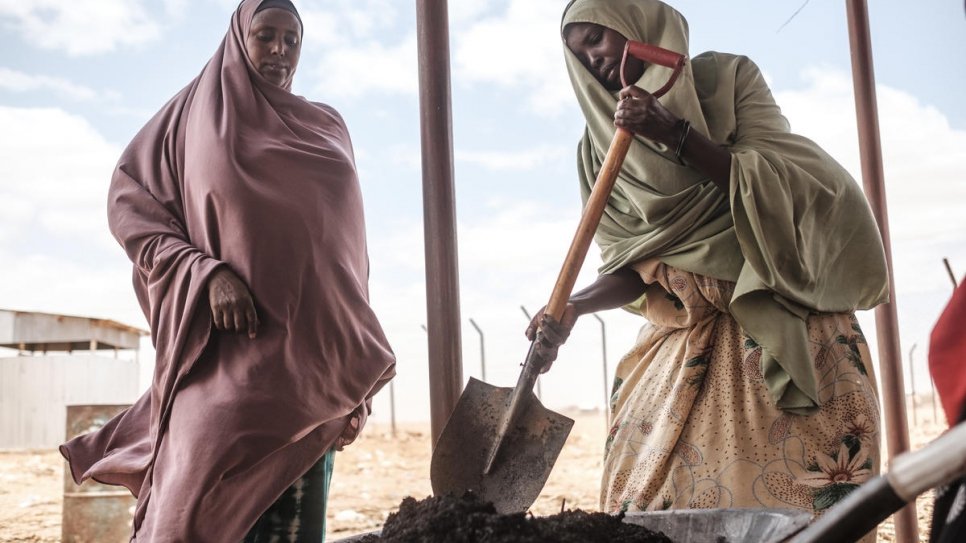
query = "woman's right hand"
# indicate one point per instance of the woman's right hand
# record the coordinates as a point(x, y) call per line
point(232, 306)
point(550, 334)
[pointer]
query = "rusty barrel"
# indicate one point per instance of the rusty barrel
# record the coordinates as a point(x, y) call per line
point(94, 513)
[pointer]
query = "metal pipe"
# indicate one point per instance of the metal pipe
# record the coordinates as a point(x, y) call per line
point(439, 212)
point(529, 318)
point(887, 324)
point(482, 350)
point(912, 385)
point(392, 407)
point(603, 346)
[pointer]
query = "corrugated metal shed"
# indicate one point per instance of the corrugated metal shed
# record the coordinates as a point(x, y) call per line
point(60, 360)
point(44, 332)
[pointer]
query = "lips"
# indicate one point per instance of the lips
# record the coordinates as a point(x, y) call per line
point(275, 67)
point(609, 73)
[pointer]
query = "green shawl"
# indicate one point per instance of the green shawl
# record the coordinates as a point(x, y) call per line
point(795, 232)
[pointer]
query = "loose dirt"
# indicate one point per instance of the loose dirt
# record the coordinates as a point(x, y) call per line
point(468, 520)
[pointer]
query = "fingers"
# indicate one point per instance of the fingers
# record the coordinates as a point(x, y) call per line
point(632, 91)
point(232, 306)
point(534, 325)
point(552, 332)
point(349, 433)
point(546, 352)
point(238, 320)
point(252, 320)
point(532, 329)
point(216, 318)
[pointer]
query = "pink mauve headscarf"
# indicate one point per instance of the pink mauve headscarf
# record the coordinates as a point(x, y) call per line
point(237, 172)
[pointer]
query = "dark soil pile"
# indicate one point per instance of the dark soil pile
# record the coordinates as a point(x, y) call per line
point(469, 520)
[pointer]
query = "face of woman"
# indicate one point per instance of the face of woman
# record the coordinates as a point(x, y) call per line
point(600, 50)
point(274, 43)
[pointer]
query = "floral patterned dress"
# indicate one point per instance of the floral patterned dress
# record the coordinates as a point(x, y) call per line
point(693, 425)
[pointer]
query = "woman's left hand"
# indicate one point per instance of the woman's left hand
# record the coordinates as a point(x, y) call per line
point(641, 113)
point(352, 428)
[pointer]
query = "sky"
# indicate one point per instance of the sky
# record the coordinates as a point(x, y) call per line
point(78, 78)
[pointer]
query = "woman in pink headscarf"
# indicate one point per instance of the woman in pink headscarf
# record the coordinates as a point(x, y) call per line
point(239, 205)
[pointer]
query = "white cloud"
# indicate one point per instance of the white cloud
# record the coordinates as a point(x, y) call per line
point(369, 68)
point(81, 27)
point(176, 8)
point(62, 166)
point(519, 49)
point(465, 11)
point(16, 81)
point(330, 22)
point(366, 18)
point(528, 159)
point(406, 155)
point(320, 27)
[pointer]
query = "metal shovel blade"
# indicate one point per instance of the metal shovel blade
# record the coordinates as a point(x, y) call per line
point(519, 472)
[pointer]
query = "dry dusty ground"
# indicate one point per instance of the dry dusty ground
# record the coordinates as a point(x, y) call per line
point(370, 480)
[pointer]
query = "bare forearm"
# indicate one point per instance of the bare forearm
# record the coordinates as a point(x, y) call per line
point(609, 291)
point(708, 158)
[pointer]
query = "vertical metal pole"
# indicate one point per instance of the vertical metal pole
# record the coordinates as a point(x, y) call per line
point(603, 346)
point(439, 212)
point(392, 407)
point(482, 350)
point(887, 324)
point(529, 318)
point(912, 385)
point(935, 414)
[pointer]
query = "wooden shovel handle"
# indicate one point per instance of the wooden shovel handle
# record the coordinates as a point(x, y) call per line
point(565, 283)
point(588, 223)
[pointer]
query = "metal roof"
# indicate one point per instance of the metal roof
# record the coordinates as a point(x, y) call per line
point(44, 332)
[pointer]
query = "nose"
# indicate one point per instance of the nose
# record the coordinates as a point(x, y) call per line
point(595, 59)
point(279, 47)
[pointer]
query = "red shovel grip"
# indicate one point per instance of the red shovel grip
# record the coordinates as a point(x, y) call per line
point(654, 55)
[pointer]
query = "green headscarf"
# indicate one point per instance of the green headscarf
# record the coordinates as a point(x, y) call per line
point(794, 233)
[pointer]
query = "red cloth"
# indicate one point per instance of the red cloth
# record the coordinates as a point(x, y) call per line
point(236, 171)
point(947, 355)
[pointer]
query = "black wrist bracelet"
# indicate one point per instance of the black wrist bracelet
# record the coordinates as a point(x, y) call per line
point(684, 136)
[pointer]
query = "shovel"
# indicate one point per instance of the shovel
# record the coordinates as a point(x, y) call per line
point(501, 443)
